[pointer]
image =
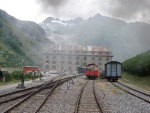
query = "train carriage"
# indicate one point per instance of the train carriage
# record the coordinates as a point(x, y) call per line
point(91, 71)
point(113, 70)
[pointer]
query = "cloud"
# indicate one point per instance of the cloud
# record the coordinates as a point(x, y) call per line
point(51, 3)
point(130, 9)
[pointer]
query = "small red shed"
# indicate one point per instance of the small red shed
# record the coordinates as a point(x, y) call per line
point(30, 69)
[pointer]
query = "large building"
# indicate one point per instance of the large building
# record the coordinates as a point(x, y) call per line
point(70, 57)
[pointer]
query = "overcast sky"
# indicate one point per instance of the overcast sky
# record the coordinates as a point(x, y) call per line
point(38, 10)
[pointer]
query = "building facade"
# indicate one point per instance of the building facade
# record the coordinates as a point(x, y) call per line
point(70, 57)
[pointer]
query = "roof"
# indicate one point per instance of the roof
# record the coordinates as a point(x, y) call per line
point(31, 66)
point(77, 47)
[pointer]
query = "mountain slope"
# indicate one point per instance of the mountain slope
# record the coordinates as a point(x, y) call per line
point(21, 42)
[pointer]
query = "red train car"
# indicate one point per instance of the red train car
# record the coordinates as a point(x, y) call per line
point(91, 71)
point(30, 69)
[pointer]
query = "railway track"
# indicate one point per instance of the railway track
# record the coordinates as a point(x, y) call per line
point(87, 100)
point(38, 96)
point(20, 93)
point(139, 94)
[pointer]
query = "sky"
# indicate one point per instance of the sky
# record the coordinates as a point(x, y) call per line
point(39, 10)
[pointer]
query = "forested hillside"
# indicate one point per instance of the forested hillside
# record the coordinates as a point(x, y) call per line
point(139, 65)
point(21, 42)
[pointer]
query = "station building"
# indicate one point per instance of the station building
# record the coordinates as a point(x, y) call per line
point(70, 57)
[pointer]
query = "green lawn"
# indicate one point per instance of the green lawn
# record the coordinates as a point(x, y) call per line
point(143, 82)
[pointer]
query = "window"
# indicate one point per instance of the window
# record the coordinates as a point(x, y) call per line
point(100, 63)
point(93, 58)
point(100, 68)
point(100, 53)
point(69, 62)
point(54, 57)
point(84, 64)
point(77, 58)
point(107, 53)
point(54, 66)
point(93, 63)
point(69, 68)
point(77, 52)
point(62, 67)
point(70, 57)
point(100, 58)
point(62, 57)
point(77, 63)
point(47, 57)
point(53, 62)
point(84, 58)
point(47, 67)
point(107, 59)
point(54, 51)
point(47, 61)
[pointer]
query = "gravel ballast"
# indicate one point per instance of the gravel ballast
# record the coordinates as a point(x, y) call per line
point(114, 99)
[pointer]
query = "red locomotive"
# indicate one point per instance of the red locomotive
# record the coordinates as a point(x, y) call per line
point(91, 71)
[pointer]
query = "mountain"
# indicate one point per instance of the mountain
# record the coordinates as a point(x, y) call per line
point(21, 42)
point(30, 28)
point(125, 40)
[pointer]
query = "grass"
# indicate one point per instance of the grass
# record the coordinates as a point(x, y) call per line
point(11, 82)
point(142, 82)
point(14, 81)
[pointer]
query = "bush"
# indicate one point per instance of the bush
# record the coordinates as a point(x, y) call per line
point(16, 76)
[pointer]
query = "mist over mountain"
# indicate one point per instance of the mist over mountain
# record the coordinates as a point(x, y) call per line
point(125, 40)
